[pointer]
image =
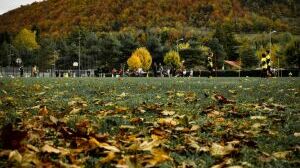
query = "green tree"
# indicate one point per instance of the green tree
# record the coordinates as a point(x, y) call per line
point(26, 39)
point(172, 59)
point(226, 38)
point(218, 50)
point(292, 53)
point(5, 55)
point(128, 45)
point(248, 56)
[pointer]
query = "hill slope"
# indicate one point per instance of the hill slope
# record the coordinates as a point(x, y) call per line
point(57, 17)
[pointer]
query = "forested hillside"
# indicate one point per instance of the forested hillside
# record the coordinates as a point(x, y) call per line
point(104, 33)
point(56, 17)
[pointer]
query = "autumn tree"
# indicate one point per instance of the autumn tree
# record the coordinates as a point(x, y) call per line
point(134, 62)
point(172, 59)
point(26, 39)
point(144, 56)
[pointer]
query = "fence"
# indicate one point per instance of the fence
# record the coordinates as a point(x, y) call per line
point(14, 71)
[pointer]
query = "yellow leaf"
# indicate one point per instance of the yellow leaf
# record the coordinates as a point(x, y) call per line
point(167, 113)
point(195, 128)
point(159, 156)
point(15, 156)
point(103, 145)
point(167, 122)
point(281, 155)
point(53, 119)
point(75, 110)
point(110, 156)
point(179, 94)
point(49, 149)
point(219, 150)
point(29, 146)
point(258, 117)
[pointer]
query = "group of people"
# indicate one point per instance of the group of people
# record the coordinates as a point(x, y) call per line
point(266, 64)
point(34, 71)
point(161, 71)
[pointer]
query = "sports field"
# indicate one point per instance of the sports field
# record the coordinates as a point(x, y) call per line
point(150, 122)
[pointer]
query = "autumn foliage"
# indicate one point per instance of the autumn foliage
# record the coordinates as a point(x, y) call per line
point(57, 17)
point(26, 39)
point(140, 58)
point(172, 58)
point(134, 62)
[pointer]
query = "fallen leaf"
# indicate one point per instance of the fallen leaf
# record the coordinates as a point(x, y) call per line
point(49, 149)
point(167, 122)
point(110, 156)
point(15, 156)
point(53, 119)
point(179, 94)
point(103, 145)
point(220, 150)
point(33, 148)
point(195, 128)
point(258, 117)
point(281, 155)
point(159, 156)
point(75, 110)
point(43, 110)
point(167, 113)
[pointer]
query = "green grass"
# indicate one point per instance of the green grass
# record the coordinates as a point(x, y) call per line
point(108, 104)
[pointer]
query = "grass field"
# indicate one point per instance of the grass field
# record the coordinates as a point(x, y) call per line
point(150, 122)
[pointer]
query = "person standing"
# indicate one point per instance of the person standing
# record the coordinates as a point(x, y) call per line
point(210, 64)
point(191, 72)
point(161, 70)
point(269, 63)
point(21, 69)
point(155, 69)
point(264, 66)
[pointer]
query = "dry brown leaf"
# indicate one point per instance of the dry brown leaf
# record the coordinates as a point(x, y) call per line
point(159, 156)
point(220, 150)
point(121, 109)
point(195, 128)
point(167, 113)
point(5, 153)
point(53, 119)
point(167, 122)
point(33, 148)
point(106, 146)
point(110, 156)
point(62, 164)
point(75, 110)
point(258, 117)
point(148, 146)
point(236, 166)
point(15, 156)
point(49, 149)
point(43, 110)
point(281, 155)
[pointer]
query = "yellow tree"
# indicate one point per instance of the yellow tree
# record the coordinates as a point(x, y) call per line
point(144, 57)
point(26, 39)
point(172, 58)
point(134, 62)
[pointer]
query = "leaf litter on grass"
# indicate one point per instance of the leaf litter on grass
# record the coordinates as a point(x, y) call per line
point(145, 135)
